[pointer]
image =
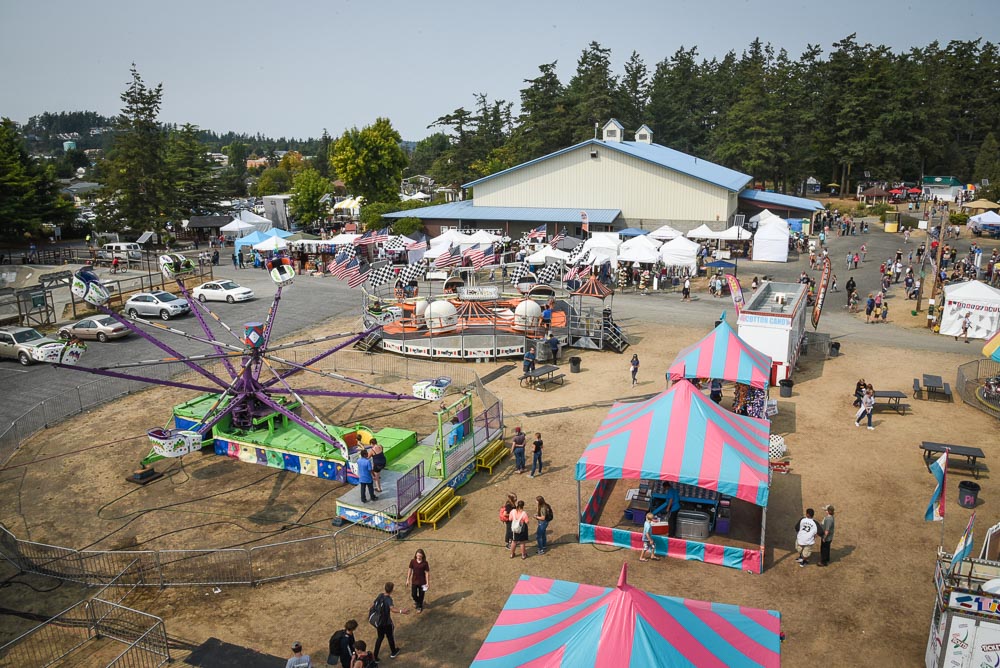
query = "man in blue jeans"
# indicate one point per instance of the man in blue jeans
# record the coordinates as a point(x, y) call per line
point(365, 479)
point(543, 516)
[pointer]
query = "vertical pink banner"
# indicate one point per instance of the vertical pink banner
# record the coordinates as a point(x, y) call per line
point(736, 291)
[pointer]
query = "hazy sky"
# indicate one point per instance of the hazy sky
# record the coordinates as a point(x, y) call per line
point(292, 68)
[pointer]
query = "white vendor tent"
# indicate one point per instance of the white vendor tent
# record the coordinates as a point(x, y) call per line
point(771, 243)
point(979, 300)
point(989, 219)
point(449, 237)
point(680, 252)
point(482, 237)
point(639, 249)
point(343, 239)
point(548, 253)
point(762, 216)
point(775, 221)
point(607, 240)
point(271, 244)
point(702, 232)
point(237, 226)
point(665, 233)
point(735, 233)
point(261, 223)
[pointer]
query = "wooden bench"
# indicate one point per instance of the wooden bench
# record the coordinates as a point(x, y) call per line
point(491, 456)
point(916, 388)
point(558, 379)
point(972, 455)
point(438, 507)
point(946, 391)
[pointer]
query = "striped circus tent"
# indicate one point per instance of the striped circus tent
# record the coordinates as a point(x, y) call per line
point(682, 436)
point(553, 623)
point(723, 355)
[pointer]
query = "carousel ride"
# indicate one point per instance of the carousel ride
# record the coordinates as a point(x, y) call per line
point(247, 409)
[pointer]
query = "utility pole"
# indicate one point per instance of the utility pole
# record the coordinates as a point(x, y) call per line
point(937, 274)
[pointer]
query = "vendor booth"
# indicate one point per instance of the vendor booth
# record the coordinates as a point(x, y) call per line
point(680, 253)
point(771, 241)
point(551, 623)
point(980, 301)
point(774, 322)
point(988, 222)
point(717, 460)
point(965, 625)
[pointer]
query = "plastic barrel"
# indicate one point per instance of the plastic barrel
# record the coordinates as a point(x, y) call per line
point(834, 348)
point(968, 493)
point(574, 364)
point(785, 387)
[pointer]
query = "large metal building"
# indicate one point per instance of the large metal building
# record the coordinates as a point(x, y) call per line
point(618, 183)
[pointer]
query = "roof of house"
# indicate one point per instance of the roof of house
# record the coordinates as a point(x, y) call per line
point(763, 198)
point(656, 154)
point(465, 210)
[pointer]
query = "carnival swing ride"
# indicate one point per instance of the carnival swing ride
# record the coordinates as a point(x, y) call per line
point(248, 410)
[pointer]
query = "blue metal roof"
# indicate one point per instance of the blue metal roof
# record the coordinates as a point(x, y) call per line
point(777, 199)
point(655, 154)
point(465, 210)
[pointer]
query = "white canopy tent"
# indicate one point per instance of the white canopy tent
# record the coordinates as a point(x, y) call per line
point(260, 223)
point(606, 240)
point(237, 227)
point(702, 232)
point(548, 253)
point(770, 244)
point(762, 216)
point(990, 219)
point(735, 233)
point(638, 253)
point(446, 239)
point(343, 239)
point(665, 233)
point(774, 221)
point(271, 244)
point(599, 256)
point(482, 237)
point(680, 252)
point(979, 300)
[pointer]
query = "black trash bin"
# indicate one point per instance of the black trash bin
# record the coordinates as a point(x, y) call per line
point(834, 348)
point(968, 493)
point(785, 387)
point(574, 364)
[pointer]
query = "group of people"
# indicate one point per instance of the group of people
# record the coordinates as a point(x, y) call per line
point(205, 258)
point(517, 520)
point(807, 530)
point(519, 444)
point(864, 401)
point(371, 463)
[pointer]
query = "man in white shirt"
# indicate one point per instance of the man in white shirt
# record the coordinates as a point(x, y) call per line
point(298, 660)
point(805, 538)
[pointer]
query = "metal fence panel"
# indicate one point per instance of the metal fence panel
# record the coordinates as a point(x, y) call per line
point(50, 641)
point(410, 486)
point(205, 567)
point(292, 558)
point(355, 540)
point(140, 655)
point(51, 560)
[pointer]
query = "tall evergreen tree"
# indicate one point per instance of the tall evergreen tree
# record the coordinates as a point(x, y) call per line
point(592, 92)
point(677, 98)
point(542, 126)
point(633, 89)
point(29, 192)
point(370, 161)
point(194, 185)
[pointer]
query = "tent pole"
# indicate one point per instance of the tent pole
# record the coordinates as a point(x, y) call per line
point(579, 511)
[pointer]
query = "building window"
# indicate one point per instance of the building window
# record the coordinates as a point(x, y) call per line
point(612, 133)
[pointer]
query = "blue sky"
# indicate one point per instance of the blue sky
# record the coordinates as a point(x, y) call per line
point(293, 68)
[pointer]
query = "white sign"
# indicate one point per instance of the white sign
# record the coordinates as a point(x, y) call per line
point(766, 320)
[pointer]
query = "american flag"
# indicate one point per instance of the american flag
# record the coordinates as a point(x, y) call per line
point(382, 235)
point(560, 235)
point(382, 275)
point(366, 238)
point(357, 274)
point(548, 273)
point(413, 271)
point(418, 244)
point(450, 258)
point(481, 255)
point(538, 233)
point(343, 259)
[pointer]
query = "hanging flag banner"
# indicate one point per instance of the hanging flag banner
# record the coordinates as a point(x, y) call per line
point(824, 283)
point(585, 219)
point(736, 291)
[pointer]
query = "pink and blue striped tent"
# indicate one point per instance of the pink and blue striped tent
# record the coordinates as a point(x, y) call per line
point(682, 436)
point(552, 623)
point(723, 355)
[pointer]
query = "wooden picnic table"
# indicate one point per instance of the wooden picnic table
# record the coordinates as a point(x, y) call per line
point(933, 386)
point(891, 399)
point(542, 376)
point(972, 455)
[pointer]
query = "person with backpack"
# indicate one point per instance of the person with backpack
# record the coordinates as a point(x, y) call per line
point(362, 658)
point(418, 577)
point(543, 515)
point(298, 659)
point(505, 510)
point(380, 616)
point(519, 529)
point(342, 645)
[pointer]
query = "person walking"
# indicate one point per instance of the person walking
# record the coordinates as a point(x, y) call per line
point(647, 540)
point(536, 455)
point(365, 478)
point(869, 307)
point(966, 326)
point(517, 449)
point(418, 578)
point(543, 515)
point(867, 408)
point(554, 347)
point(827, 528)
point(383, 621)
point(505, 510)
point(519, 530)
point(342, 645)
point(805, 537)
point(298, 659)
point(236, 261)
point(686, 290)
point(634, 368)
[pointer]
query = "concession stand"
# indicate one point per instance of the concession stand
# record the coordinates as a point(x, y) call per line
point(774, 322)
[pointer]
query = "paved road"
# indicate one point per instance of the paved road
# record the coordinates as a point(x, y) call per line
point(312, 300)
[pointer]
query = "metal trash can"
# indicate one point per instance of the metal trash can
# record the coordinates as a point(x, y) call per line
point(785, 387)
point(574, 364)
point(834, 348)
point(968, 493)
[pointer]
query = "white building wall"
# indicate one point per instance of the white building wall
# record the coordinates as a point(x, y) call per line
point(613, 180)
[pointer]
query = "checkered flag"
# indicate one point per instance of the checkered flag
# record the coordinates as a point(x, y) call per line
point(382, 275)
point(395, 243)
point(414, 272)
point(548, 273)
point(575, 254)
point(519, 272)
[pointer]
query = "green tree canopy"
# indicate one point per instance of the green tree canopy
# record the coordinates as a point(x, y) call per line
point(29, 192)
point(370, 161)
point(194, 185)
point(308, 188)
point(273, 181)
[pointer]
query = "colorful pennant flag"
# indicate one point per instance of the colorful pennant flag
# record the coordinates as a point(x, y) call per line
point(964, 547)
point(935, 509)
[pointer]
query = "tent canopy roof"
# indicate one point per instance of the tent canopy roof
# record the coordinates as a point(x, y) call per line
point(972, 291)
point(988, 218)
point(724, 355)
point(665, 232)
point(548, 623)
point(593, 288)
point(703, 231)
point(681, 436)
point(735, 233)
point(980, 204)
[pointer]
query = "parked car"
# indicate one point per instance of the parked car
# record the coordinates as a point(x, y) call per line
point(20, 342)
point(228, 291)
point(158, 303)
point(97, 327)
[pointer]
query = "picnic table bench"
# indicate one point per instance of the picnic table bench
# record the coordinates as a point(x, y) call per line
point(972, 455)
point(439, 506)
point(934, 386)
point(890, 399)
point(543, 376)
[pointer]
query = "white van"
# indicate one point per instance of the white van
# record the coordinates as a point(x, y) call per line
point(122, 251)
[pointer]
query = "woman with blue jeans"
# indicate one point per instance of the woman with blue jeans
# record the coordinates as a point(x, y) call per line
point(517, 447)
point(543, 515)
point(536, 455)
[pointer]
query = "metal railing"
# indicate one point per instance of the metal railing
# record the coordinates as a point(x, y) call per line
point(410, 486)
point(969, 380)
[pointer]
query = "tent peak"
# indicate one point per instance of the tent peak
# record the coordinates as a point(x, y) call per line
point(623, 578)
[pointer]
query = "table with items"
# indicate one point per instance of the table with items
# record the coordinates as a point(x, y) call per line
point(703, 511)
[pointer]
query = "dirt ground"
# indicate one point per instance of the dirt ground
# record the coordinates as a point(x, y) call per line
point(870, 607)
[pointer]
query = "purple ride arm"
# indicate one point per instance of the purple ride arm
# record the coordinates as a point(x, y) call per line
point(204, 326)
point(302, 367)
